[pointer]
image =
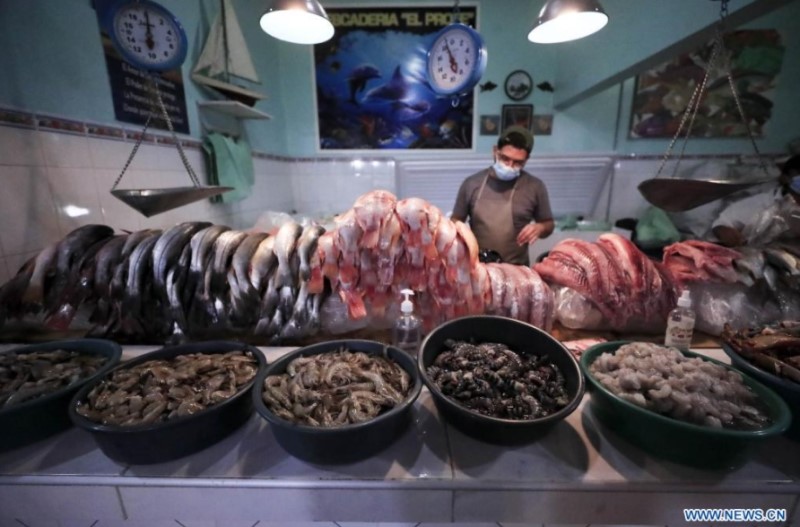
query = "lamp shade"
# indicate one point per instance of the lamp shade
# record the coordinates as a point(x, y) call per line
point(563, 20)
point(297, 21)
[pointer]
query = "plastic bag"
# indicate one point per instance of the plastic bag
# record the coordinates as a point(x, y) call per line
point(717, 304)
point(655, 229)
point(575, 311)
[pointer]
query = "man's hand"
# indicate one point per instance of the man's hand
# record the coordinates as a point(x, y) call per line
point(530, 233)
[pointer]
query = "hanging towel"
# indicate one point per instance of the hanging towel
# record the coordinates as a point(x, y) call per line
point(230, 164)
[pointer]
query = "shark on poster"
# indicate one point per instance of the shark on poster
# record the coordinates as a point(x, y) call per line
point(372, 91)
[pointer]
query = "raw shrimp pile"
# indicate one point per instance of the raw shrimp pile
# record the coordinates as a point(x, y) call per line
point(336, 389)
point(686, 388)
point(159, 390)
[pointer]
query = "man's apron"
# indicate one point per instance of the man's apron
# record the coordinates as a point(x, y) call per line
point(492, 222)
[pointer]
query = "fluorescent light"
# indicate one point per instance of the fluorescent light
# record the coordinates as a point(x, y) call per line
point(297, 21)
point(564, 20)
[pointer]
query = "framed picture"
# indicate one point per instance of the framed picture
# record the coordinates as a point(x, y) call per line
point(371, 87)
point(518, 85)
point(490, 125)
point(543, 124)
point(517, 115)
point(663, 92)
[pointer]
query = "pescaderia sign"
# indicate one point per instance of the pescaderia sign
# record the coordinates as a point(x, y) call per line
point(371, 86)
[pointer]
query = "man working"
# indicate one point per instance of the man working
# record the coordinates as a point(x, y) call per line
point(773, 213)
point(508, 208)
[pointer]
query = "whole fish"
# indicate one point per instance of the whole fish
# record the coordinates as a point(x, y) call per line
point(306, 245)
point(285, 246)
point(70, 250)
point(224, 248)
point(242, 292)
point(139, 268)
point(11, 292)
point(202, 244)
point(262, 264)
point(34, 294)
point(79, 288)
point(170, 246)
point(107, 259)
point(176, 279)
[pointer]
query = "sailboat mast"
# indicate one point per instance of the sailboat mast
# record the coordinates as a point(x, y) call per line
point(225, 39)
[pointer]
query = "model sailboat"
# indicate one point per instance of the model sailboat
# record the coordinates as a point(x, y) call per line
point(224, 56)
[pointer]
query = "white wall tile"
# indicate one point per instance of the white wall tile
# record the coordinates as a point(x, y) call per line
point(75, 195)
point(65, 150)
point(20, 147)
point(107, 153)
point(27, 210)
point(43, 502)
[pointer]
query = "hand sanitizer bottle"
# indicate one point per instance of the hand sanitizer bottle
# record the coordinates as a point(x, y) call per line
point(680, 323)
point(407, 330)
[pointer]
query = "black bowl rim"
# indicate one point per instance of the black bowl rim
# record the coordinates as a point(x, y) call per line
point(780, 423)
point(114, 355)
point(556, 416)
point(266, 413)
point(753, 369)
point(94, 427)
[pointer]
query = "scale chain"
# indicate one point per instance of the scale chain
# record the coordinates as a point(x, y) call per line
point(718, 52)
point(178, 144)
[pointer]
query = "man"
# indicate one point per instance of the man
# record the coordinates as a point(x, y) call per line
point(773, 213)
point(508, 208)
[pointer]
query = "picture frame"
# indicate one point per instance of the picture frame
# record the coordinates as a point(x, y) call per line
point(518, 85)
point(517, 115)
point(490, 125)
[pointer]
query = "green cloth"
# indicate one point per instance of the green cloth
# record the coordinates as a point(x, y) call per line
point(230, 164)
point(655, 229)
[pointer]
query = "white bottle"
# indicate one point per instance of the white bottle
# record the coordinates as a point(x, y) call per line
point(407, 330)
point(680, 323)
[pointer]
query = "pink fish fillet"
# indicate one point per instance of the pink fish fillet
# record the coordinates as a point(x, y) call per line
point(372, 210)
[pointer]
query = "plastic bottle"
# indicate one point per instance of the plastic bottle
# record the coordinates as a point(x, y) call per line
point(407, 330)
point(680, 323)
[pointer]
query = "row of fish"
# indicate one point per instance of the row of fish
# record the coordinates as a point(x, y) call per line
point(183, 280)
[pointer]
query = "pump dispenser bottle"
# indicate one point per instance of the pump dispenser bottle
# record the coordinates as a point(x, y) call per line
point(680, 323)
point(407, 330)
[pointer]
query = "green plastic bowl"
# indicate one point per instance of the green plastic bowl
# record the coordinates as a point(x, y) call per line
point(679, 441)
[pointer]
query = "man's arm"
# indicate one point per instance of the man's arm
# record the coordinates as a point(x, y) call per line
point(534, 231)
point(460, 209)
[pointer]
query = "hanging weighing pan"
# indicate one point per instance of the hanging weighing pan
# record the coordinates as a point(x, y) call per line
point(678, 195)
point(157, 200)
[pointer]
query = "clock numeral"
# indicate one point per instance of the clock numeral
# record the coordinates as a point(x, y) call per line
point(466, 62)
point(152, 56)
point(137, 49)
point(444, 76)
point(452, 78)
point(468, 50)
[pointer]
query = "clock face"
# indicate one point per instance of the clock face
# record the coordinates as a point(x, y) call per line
point(148, 36)
point(456, 60)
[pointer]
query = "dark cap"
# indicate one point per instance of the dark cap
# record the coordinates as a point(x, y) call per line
point(517, 136)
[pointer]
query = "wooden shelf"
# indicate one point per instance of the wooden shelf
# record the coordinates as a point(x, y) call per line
point(234, 108)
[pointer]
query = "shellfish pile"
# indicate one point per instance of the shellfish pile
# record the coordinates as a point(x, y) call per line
point(491, 379)
point(159, 390)
point(336, 388)
point(27, 376)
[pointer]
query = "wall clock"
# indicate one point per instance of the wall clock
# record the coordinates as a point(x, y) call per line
point(518, 85)
point(147, 35)
point(456, 60)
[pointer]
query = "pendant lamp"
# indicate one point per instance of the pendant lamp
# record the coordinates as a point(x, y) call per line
point(297, 21)
point(563, 20)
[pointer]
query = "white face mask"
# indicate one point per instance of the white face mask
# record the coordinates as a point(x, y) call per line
point(794, 184)
point(505, 173)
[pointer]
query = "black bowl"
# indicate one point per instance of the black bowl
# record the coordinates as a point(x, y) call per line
point(680, 441)
point(44, 416)
point(522, 338)
point(179, 437)
point(343, 444)
point(787, 389)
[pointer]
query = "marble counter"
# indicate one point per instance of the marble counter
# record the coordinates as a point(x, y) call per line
point(580, 473)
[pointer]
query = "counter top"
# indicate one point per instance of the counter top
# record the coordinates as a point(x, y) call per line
point(581, 472)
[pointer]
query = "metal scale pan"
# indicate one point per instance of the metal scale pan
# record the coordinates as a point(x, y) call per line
point(677, 194)
point(152, 201)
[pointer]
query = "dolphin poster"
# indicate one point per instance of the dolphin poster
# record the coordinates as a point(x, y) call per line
point(372, 91)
